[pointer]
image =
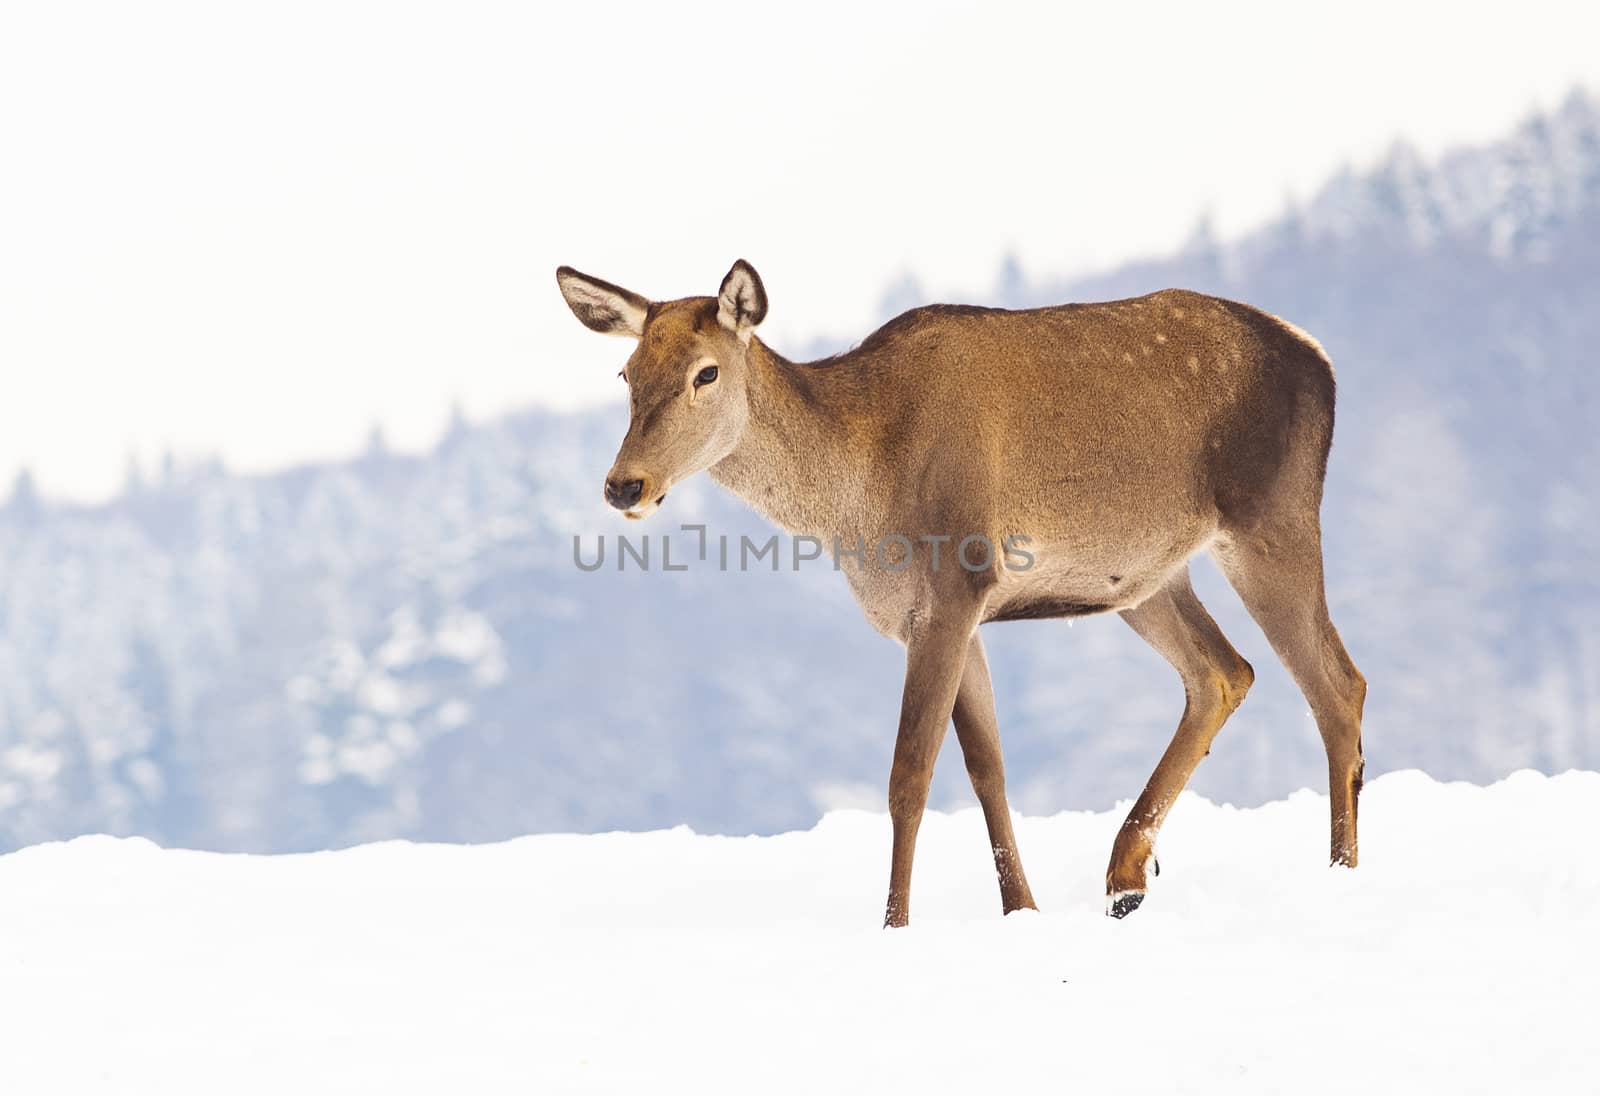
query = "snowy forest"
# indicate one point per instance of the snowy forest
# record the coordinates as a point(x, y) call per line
point(401, 646)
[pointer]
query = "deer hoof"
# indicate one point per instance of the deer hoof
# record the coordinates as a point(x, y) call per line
point(1122, 903)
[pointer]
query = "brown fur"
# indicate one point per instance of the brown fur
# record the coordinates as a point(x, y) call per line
point(1122, 438)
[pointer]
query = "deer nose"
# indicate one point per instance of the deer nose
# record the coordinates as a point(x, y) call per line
point(624, 495)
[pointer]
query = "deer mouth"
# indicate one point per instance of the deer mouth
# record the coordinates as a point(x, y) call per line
point(644, 510)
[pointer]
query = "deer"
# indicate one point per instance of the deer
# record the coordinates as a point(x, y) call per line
point(1115, 440)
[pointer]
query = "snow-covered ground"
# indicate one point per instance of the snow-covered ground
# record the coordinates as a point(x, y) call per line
point(1461, 957)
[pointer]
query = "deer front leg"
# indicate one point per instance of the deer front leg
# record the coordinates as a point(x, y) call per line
point(935, 656)
point(979, 734)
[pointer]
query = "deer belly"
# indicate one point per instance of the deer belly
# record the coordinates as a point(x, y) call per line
point(1071, 581)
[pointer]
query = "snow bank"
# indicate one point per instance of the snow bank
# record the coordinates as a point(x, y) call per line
point(1460, 957)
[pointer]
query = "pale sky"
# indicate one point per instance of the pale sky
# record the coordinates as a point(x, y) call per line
point(257, 230)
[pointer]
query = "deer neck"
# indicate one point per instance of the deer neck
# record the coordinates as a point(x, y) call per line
point(793, 463)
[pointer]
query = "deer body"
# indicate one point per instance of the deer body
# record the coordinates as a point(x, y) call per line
point(1110, 442)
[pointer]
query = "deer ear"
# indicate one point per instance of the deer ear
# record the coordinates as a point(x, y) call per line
point(742, 300)
point(601, 306)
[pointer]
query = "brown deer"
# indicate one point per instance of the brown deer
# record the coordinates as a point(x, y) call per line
point(1113, 441)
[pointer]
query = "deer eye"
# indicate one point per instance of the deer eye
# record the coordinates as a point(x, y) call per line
point(705, 376)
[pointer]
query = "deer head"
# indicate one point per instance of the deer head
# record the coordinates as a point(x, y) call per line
point(687, 378)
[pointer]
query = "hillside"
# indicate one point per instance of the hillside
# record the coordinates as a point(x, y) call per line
point(1451, 961)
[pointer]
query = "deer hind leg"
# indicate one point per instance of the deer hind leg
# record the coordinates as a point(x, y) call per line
point(978, 731)
point(1277, 570)
point(1215, 680)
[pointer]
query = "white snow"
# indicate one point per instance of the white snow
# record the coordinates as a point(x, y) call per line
point(1460, 957)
